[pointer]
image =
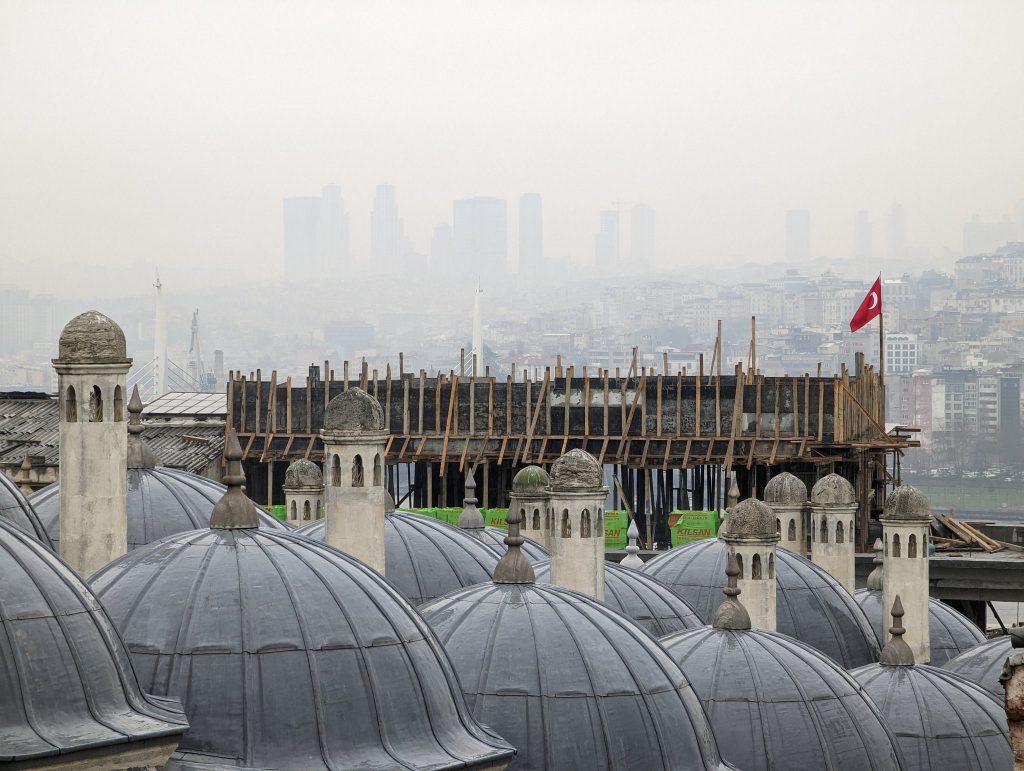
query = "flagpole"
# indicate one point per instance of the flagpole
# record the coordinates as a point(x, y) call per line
point(881, 333)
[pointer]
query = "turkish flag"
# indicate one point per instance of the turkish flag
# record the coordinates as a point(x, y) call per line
point(870, 306)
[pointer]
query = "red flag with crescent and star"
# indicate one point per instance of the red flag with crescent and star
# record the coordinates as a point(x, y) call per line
point(870, 307)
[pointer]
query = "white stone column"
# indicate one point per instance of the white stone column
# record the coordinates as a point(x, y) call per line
point(750, 534)
point(577, 534)
point(787, 497)
point(355, 497)
point(531, 498)
point(906, 522)
point(92, 368)
point(303, 492)
point(833, 513)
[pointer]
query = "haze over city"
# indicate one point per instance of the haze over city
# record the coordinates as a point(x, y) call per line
point(168, 134)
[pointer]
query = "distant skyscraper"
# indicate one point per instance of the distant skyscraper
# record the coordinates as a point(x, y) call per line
point(332, 232)
point(301, 227)
point(388, 246)
point(981, 237)
point(895, 237)
point(606, 242)
point(441, 255)
point(531, 233)
point(798, 235)
point(862, 236)
point(641, 235)
point(316, 233)
point(480, 234)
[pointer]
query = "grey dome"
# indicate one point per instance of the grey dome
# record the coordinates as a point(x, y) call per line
point(354, 412)
point(811, 605)
point(950, 632)
point(940, 720)
point(908, 504)
point(15, 508)
point(66, 682)
point(303, 473)
point(776, 703)
point(288, 654)
point(646, 601)
point(785, 489)
point(833, 490)
point(751, 519)
point(531, 480)
point(161, 501)
point(494, 539)
point(569, 682)
point(576, 470)
point(425, 558)
point(91, 338)
point(983, 663)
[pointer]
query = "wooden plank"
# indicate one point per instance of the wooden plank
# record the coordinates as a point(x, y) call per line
point(686, 453)
point(419, 447)
point(586, 403)
point(568, 394)
point(604, 447)
point(508, 406)
point(288, 403)
point(757, 405)
point(501, 452)
point(472, 403)
point(657, 420)
point(668, 452)
point(821, 410)
point(405, 402)
point(448, 423)
point(775, 449)
point(606, 402)
point(423, 384)
point(536, 411)
point(462, 457)
point(796, 406)
point(490, 406)
point(387, 445)
point(750, 454)
point(679, 403)
point(387, 397)
point(807, 405)
point(405, 446)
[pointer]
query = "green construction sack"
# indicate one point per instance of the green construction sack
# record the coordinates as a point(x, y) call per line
point(615, 525)
point(694, 526)
point(495, 518)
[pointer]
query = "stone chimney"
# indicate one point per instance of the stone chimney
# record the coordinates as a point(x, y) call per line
point(304, 492)
point(833, 510)
point(577, 534)
point(531, 498)
point(787, 496)
point(905, 525)
point(751, 536)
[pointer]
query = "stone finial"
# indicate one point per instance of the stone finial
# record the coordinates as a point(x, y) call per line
point(389, 503)
point(896, 652)
point(303, 473)
point(733, 496)
point(531, 480)
point(752, 519)
point(875, 576)
point(785, 489)
point(631, 560)
point(234, 510)
point(354, 412)
point(576, 471)
point(139, 453)
point(92, 338)
point(833, 490)
point(731, 614)
point(513, 567)
point(907, 504)
point(470, 518)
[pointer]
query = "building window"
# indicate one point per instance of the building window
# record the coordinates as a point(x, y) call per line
point(585, 524)
point(566, 525)
point(70, 406)
point(96, 405)
point(357, 471)
point(755, 566)
point(895, 545)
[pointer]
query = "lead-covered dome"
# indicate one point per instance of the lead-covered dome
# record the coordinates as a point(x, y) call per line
point(833, 490)
point(66, 683)
point(354, 412)
point(646, 601)
point(785, 489)
point(161, 501)
point(530, 480)
point(425, 558)
point(983, 663)
point(15, 508)
point(950, 632)
point(569, 682)
point(776, 703)
point(289, 654)
point(940, 720)
point(91, 338)
point(811, 605)
point(303, 473)
point(576, 470)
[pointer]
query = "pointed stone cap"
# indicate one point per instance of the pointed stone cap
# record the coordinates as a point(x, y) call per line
point(92, 338)
point(631, 560)
point(354, 412)
point(531, 480)
point(731, 614)
point(139, 453)
point(875, 576)
point(908, 504)
point(833, 490)
point(577, 471)
point(470, 518)
point(752, 519)
point(785, 489)
point(896, 652)
point(733, 496)
point(389, 503)
point(514, 567)
point(234, 510)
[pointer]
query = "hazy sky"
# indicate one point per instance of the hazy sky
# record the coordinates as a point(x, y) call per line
point(169, 132)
